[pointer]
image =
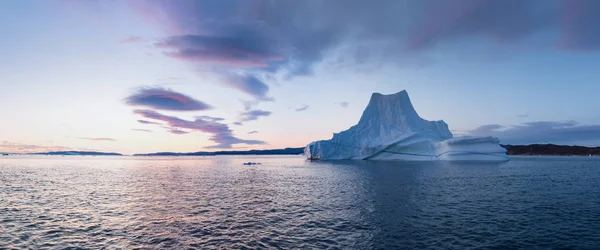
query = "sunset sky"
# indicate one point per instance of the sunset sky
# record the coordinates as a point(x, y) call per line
point(185, 75)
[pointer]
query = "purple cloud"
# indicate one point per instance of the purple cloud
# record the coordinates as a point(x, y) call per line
point(141, 130)
point(579, 25)
point(542, 132)
point(178, 132)
point(165, 99)
point(249, 104)
point(305, 107)
point(220, 133)
point(224, 50)
point(96, 139)
point(132, 39)
point(253, 115)
point(250, 85)
point(253, 132)
point(292, 36)
point(210, 118)
point(14, 147)
point(344, 104)
point(148, 122)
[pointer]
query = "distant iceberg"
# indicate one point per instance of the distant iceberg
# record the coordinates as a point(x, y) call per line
point(391, 129)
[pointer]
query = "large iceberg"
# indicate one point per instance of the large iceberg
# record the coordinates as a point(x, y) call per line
point(391, 129)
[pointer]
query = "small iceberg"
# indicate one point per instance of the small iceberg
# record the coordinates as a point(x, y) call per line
point(391, 129)
point(252, 163)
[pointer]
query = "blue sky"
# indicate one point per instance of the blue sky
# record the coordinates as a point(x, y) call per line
point(144, 76)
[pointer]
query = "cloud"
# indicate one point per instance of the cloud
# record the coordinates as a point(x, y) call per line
point(13, 147)
point(253, 115)
point(249, 104)
point(523, 116)
point(305, 107)
point(210, 118)
point(141, 130)
point(245, 50)
point(237, 123)
point(542, 132)
point(293, 36)
point(250, 85)
point(96, 138)
point(220, 133)
point(344, 104)
point(165, 99)
point(249, 45)
point(579, 25)
point(148, 122)
point(132, 39)
point(253, 132)
point(178, 132)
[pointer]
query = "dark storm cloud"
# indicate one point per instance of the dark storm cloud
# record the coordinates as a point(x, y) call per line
point(165, 99)
point(220, 133)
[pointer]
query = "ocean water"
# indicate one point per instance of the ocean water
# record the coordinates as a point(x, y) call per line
point(286, 202)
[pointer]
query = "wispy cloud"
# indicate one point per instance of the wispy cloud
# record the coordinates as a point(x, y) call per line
point(249, 84)
point(542, 132)
point(96, 138)
point(344, 104)
point(253, 115)
point(132, 39)
point(13, 147)
point(248, 105)
point(141, 130)
point(305, 107)
point(210, 118)
point(220, 133)
point(234, 51)
point(148, 122)
point(165, 99)
point(253, 132)
point(178, 132)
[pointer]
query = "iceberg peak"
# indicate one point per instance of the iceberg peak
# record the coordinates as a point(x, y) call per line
point(391, 128)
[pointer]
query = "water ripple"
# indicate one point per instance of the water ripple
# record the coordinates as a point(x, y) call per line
point(216, 202)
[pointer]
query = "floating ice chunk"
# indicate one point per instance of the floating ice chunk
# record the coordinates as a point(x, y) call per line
point(252, 163)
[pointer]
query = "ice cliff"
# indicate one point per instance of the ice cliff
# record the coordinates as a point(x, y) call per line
point(391, 129)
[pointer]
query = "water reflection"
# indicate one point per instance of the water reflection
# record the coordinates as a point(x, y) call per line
point(287, 202)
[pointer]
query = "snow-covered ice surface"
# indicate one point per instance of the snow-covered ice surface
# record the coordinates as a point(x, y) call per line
point(391, 129)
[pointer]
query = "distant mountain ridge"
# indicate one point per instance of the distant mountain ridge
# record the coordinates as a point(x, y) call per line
point(76, 153)
point(551, 149)
point(285, 151)
point(532, 149)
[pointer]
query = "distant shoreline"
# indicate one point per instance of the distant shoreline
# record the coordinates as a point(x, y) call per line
point(551, 150)
point(527, 150)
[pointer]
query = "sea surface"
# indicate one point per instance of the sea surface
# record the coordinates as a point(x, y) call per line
point(54, 202)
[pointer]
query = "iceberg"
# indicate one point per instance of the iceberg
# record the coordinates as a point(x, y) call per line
point(391, 129)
